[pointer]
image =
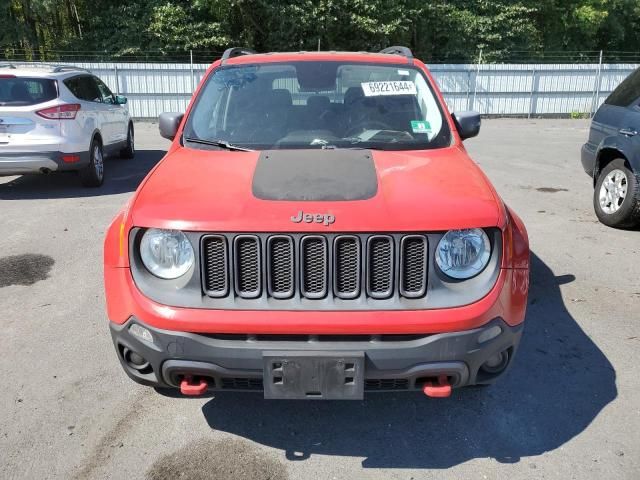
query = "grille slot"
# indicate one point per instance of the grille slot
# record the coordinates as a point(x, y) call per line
point(280, 266)
point(215, 261)
point(248, 268)
point(347, 267)
point(380, 267)
point(386, 384)
point(313, 266)
point(241, 383)
point(413, 266)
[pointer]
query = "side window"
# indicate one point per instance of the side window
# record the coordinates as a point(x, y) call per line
point(627, 91)
point(84, 88)
point(105, 93)
point(91, 88)
point(74, 86)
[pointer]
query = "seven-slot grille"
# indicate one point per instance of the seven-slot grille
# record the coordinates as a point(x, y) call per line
point(346, 267)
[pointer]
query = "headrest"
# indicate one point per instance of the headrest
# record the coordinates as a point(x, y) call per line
point(20, 92)
point(318, 102)
point(352, 94)
point(281, 97)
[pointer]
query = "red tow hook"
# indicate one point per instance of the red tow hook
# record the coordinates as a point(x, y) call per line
point(441, 390)
point(187, 387)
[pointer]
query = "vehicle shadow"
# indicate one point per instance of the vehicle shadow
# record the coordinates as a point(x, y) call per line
point(558, 385)
point(121, 176)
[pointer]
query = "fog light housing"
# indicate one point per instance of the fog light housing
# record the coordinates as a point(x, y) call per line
point(496, 363)
point(489, 334)
point(141, 333)
point(135, 360)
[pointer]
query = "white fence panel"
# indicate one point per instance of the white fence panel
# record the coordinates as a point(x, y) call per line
point(491, 89)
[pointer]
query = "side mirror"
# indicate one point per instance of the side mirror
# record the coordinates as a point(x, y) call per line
point(168, 123)
point(121, 100)
point(467, 123)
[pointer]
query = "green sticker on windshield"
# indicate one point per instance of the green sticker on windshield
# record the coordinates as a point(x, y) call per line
point(420, 126)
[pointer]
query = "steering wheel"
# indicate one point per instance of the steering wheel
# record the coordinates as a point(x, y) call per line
point(367, 125)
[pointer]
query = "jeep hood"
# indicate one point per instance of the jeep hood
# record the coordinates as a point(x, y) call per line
point(372, 191)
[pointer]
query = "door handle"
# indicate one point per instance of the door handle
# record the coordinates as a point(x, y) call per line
point(628, 132)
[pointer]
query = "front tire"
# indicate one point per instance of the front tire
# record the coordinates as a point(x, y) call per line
point(93, 174)
point(616, 198)
point(130, 150)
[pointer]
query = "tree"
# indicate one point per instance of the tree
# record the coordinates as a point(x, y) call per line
point(439, 30)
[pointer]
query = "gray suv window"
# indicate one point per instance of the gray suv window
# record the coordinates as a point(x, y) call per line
point(105, 93)
point(627, 92)
point(84, 87)
point(16, 91)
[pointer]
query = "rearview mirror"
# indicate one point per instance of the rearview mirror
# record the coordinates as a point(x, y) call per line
point(121, 100)
point(467, 124)
point(169, 123)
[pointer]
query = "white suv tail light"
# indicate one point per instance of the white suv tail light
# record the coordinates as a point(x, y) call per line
point(61, 112)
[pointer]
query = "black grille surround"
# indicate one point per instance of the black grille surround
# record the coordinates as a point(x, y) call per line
point(308, 267)
point(413, 258)
point(347, 260)
point(280, 266)
point(267, 285)
point(216, 256)
point(380, 266)
point(248, 268)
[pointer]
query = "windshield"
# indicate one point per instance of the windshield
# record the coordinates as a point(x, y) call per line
point(318, 105)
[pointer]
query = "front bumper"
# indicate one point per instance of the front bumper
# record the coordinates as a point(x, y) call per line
point(392, 362)
point(20, 163)
point(588, 155)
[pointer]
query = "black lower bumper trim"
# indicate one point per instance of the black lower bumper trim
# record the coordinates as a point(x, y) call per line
point(389, 365)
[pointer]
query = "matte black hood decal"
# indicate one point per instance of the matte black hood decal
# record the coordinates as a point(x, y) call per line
point(315, 175)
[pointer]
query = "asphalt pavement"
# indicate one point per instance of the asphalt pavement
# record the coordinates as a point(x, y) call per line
point(568, 409)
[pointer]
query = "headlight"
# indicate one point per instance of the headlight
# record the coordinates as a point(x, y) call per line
point(167, 254)
point(463, 254)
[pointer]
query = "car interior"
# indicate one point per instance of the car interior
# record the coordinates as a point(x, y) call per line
point(296, 108)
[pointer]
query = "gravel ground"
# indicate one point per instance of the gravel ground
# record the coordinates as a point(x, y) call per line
point(569, 408)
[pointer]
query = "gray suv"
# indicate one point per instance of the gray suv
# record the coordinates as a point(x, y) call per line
point(612, 156)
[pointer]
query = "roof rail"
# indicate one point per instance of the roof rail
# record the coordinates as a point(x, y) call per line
point(52, 67)
point(64, 68)
point(236, 52)
point(398, 50)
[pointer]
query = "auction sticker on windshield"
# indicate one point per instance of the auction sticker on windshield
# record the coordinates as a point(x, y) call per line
point(400, 87)
point(420, 126)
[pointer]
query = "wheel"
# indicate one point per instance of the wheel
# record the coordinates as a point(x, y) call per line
point(93, 174)
point(130, 150)
point(616, 198)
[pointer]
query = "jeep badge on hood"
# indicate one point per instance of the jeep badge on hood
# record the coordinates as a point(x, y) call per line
point(325, 218)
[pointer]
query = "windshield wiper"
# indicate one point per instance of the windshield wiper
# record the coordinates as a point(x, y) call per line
point(218, 143)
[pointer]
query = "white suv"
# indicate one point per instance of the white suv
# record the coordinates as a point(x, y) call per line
point(60, 118)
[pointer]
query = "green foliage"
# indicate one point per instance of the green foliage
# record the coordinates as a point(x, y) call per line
point(437, 30)
point(576, 115)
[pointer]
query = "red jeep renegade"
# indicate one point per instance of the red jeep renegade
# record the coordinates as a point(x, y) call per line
point(316, 230)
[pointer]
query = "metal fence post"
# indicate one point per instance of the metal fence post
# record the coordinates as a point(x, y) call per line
point(475, 86)
point(193, 87)
point(469, 107)
point(533, 91)
point(115, 72)
point(596, 88)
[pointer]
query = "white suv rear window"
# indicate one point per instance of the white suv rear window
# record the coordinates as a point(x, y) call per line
point(20, 91)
